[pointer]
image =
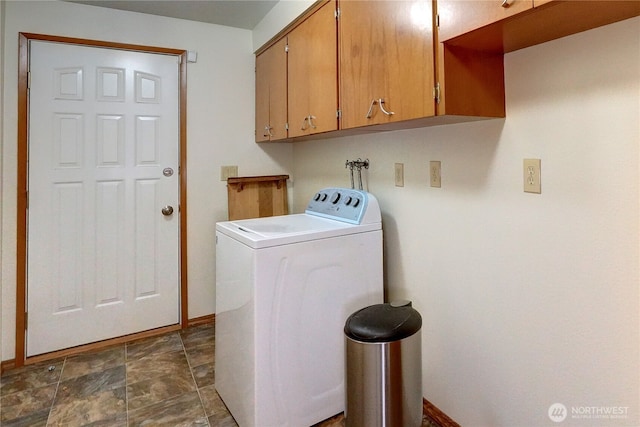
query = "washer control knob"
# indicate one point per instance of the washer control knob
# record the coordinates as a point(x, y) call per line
point(348, 201)
point(335, 198)
point(317, 197)
point(324, 197)
point(356, 202)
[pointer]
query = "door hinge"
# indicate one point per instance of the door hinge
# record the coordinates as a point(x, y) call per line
point(28, 79)
point(286, 47)
point(436, 93)
point(338, 113)
point(26, 195)
point(438, 21)
point(286, 126)
point(337, 13)
point(26, 320)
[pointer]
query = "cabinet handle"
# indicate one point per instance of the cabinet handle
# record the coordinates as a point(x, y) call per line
point(308, 119)
point(373, 102)
point(267, 131)
point(381, 104)
point(505, 3)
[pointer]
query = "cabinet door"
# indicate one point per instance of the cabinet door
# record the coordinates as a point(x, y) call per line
point(386, 53)
point(262, 97)
point(462, 16)
point(313, 74)
point(271, 93)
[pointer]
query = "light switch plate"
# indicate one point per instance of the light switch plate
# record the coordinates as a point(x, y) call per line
point(399, 174)
point(531, 176)
point(228, 172)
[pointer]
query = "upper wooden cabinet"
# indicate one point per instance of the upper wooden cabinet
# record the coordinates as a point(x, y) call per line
point(394, 71)
point(386, 62)
point(313, 74)
point(457, 17)
point(462, 26)
point(271, 93)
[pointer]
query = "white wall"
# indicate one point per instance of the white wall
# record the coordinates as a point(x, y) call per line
point(527, 300)
point(220, 125)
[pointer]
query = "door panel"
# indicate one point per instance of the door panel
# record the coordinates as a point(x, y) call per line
point(313, 74)
point(386, 52)
point(271, 93)
point(102, 258)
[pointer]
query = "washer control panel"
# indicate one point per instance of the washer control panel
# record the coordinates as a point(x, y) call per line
point(341, 204)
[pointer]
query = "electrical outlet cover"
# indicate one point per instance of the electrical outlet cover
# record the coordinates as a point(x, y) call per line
point(531, 176)
point(435, 178)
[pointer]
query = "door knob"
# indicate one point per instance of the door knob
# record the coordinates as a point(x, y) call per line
point(167, 210)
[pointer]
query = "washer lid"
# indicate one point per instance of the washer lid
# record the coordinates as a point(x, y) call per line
point(286, 229)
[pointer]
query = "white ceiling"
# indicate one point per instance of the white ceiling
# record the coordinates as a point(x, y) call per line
point(233, 13)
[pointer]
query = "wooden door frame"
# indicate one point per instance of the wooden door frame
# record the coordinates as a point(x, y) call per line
point(22, 172)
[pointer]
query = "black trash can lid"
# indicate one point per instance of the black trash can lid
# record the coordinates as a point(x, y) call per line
point(383, 323)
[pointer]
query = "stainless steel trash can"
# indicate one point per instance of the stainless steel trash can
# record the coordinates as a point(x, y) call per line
point(383, 372)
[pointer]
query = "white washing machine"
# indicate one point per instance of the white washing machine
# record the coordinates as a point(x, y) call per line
point(285, 286)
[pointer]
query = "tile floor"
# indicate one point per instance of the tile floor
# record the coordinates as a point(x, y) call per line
point(160, 381)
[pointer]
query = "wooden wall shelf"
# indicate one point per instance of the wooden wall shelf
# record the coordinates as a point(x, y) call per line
point(257, 196)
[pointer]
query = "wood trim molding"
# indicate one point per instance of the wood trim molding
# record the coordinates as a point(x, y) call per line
point(106, 44)
point(184, 290)
point(6, 365)
point(436, 415)
point(203, 320)
point(21, 217)
point(101, 344)
point(22, 173)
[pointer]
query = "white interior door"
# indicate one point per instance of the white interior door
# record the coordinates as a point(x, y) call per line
point(103, 259)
